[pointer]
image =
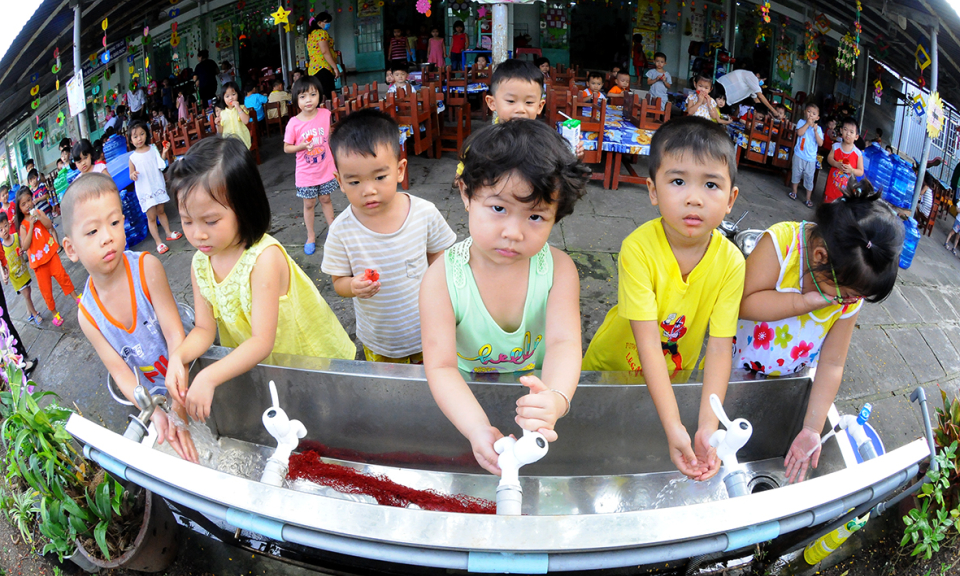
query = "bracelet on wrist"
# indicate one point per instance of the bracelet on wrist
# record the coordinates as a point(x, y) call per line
point(566, 399)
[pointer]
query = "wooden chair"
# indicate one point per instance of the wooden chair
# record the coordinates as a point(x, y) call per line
point(650, 116)
point(179, 142)
point(759, 141)
point(592, 116)
point(338, 106)
point(454, 131)
point(786, 141)
point(273, 109)
point(416, 109)
point(254, 138)
point(559, 102)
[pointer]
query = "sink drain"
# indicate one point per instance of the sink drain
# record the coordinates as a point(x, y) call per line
point(761, 483)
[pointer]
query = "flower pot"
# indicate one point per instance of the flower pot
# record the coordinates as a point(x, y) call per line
point(155, 547)
point(83, 561)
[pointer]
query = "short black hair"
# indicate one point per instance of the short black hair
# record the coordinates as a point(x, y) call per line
point(29, 162)
point(659, 55)
point(514, 69)
point(3, 216)
point(863, 237)
point(81, 149)
point(399, 66)
point(203, 53)
point(810, 105)
point(594, 74)
point(225, 169)
point(532, 151)
point(460, 24)
point(623, 71)
point(33, 173)
point(363, 132)
point(278, 83)
point(304, 84)
point(135, 125)
point(541, 61)
point(252, 87)
point(699, 136)
point(880, 132)
point(849, 120)
point(229, 85)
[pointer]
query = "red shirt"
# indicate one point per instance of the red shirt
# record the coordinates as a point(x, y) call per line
point(837, 179)
point(458, 43)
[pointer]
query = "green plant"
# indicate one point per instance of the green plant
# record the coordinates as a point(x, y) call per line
point(22, 512)
point(929, 525)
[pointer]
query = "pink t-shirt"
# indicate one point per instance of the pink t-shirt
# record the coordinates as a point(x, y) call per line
point(314, 165)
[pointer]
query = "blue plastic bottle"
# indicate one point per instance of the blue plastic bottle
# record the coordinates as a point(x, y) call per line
point(882, 173)
point(909, 243)
point(114, 146)
point(903, 182)
point(135, 221)
point(870, 157)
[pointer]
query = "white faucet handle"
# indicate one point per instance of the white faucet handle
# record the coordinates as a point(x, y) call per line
point(717, 438)
point(718, 410)
point(501, 445)
point(273, 394)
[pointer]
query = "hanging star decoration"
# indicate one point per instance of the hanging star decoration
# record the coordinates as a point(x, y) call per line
point(280, 16)
point(935, 115)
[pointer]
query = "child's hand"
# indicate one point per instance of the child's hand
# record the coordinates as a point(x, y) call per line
point(846, 168)
point(580, 151)
point(200, 397)
point(363, 287)
point(5, 275)
point(706, 454)
point(177, 379)
point(539, 411)
point(813, 301)
point(178, 438)
point(133, 175)
point(681, 453)
point(804, 451)
point(482, 440)
point(166, 147)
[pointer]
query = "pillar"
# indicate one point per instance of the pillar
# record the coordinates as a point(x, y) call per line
point(77, 67)
point(283, 53)
point(934, 69)
point(501, 24)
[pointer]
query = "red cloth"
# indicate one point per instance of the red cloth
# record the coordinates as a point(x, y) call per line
point(458, 43)
point(837, 179)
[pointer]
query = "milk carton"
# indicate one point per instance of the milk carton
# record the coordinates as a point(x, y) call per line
point(570, 130)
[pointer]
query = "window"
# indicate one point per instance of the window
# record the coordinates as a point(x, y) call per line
point(370, 37)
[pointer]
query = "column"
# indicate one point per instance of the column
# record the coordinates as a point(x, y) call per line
point(501, 25)
point(77, 67)
point(934, 68)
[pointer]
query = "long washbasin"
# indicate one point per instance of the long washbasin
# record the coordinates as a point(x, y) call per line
point(606, 495)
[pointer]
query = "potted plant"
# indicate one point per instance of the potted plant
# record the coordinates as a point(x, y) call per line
point(79, 510)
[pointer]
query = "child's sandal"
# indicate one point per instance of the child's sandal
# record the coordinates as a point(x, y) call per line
point(162, 249)
point(175, 236)
point(808, 204)
point(792, 195)
point(57, 320)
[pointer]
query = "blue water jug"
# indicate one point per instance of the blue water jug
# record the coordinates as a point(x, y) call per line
point(114, 146)
point(882, 172)
point(135, 221)
point(902, 182)
point(909, 243)
point(870, 157)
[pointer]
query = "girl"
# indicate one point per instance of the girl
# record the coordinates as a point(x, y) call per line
point(503, 300)
point(481, 63)
point(244, 283)
point(85, 156)
point(234, 118)
point(457, 45)
point(307, 136)
point(42, 249)
point(182, 114)
point(805, 284)
point(17, 272)
point(720, 98)
point(146, 170)
point(436, 50)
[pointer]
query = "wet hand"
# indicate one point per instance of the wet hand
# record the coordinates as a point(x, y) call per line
point(364, 288)
point(706, 454)
point(200, 397)
point(538, 411)
point(803, 453)
point(681, 453)
point(177, 379)
point(481, 441)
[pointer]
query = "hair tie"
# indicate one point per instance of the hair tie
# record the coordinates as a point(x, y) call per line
point(869, 244)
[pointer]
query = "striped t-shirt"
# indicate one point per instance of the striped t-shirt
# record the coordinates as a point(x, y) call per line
point(389, 323)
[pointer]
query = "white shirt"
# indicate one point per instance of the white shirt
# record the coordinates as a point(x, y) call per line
point(740, 85)
point(389, 322)
point(150, 185)
point(659, 89)
point(136, 100)
point(926, 202)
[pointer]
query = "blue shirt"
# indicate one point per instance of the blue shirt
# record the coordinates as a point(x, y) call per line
point(255, 102)
point(807, 144)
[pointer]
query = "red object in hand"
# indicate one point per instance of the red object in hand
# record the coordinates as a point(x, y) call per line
point(371, 275)
point(166, 144)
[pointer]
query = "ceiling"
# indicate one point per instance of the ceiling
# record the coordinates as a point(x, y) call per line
point(52, 27)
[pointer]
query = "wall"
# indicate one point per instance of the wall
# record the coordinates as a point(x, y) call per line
point(528, 15)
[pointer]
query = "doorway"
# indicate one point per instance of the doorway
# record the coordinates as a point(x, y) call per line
point(600, 35)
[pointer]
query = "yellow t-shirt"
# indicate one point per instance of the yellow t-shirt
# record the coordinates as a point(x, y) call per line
point(651, 288)
point(232, 126)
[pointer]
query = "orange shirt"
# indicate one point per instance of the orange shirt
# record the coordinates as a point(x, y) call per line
point(42, 248)
point(616, 90)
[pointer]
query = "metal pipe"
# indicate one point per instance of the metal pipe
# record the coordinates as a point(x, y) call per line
point(77, 68)
point(866, 88)
point(500, 25)
point(283, 54)
point(922, 171)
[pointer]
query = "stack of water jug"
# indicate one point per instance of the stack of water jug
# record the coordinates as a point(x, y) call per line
point(135, 221)
point(891, 175)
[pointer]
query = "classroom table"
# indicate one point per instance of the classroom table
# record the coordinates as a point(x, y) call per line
point(620, 137)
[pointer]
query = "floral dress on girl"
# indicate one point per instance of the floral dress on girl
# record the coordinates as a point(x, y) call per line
point(792, 344)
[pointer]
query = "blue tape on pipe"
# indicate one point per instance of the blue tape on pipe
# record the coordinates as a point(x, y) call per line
point(752, 535)
point(506, 563)
point(254, 523)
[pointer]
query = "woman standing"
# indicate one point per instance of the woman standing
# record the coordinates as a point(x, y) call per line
point(323, 61)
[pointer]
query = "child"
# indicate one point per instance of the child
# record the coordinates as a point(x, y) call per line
point(659, 80)
point(700, 103)
point(809, 140)
point(389, 76)
point(436, 50)
point(182, 114)
point(925, 206)
point(594, 89)
point(805, 285)
point(254, 101)
point(423, 40)
point(160, 120)
point(41, 198)
point(845, 160)
point(721, 99)
point(398, 48)
point(397, 235)
point(35, 239)
point(399, 70)
point(677, 276)
point(244, 284)
point(543, 63)
point(124, 289)
point(458, 44)
point(15, 268)
point(307, 136)
point(85, 155)
point(481, 63)
point(503, 300)
point(639, 56)
point(829, 136)
point(622, 85)
point(955, 234)
point(279, 95)
point(146, 171)
point(8, 202)
point(166, 96)
point(233, 119)
point(878, 138)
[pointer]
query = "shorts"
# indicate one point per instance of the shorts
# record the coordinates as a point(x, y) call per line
point(803, 170)
point(956, 226)
point(372, 356)
point(27, 285)
point(324, 189)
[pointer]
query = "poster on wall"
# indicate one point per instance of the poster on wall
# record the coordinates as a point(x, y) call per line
point(367, 8)
point(75, 96)
point(697, 26)
point(554, 27)
point(224, 34)
point(648, 21)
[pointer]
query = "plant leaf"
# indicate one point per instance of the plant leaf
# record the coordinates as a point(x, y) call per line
point(100, 535)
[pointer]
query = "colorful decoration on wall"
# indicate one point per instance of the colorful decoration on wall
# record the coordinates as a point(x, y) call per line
point(882, 47)
point(919, 106)
point(38, 135)
point(765, 12)
point(811, 50)
point(823, 24)
point(174, 39)
point(934, 115)
point(847, 53)
point(60, 118)
point(556, 33)
point(423, 6)
point(923, 59)
point(280, 16)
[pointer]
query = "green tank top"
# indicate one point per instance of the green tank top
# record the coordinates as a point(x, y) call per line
point(482, 345)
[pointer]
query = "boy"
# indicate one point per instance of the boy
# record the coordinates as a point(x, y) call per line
point(622, 85)
point(594, 89)
point(700, 103)
point(378, 249)
point(40, 195)
point(7, 198)
point(255, 101)
point(845, 160)
point(809, 140)
point(278, 95)
point(659, 80)
point(400, 78)
point(124, 289)
point(15, 267)
point(677, 277)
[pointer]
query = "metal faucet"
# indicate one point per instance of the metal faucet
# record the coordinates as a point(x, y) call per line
point(728, 442)
point(514, 453)
point(137, 428)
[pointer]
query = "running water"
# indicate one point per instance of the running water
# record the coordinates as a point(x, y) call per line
point(682, 492)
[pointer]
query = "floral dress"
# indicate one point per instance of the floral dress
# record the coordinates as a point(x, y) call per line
point(317, 59)
point(792, 344)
